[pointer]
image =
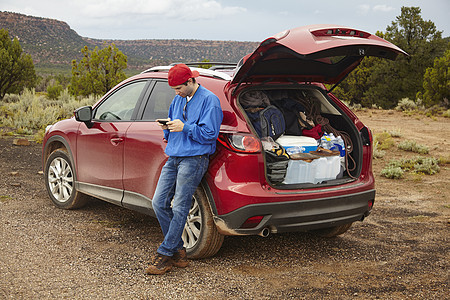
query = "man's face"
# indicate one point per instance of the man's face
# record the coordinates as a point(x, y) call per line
point(184, 90)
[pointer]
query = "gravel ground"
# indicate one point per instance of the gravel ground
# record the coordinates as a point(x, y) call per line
point(400, 251)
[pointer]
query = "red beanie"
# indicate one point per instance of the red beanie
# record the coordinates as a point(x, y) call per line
point(180, 73)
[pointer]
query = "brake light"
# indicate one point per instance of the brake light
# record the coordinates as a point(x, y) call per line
point(240, 142)
point(340, 32)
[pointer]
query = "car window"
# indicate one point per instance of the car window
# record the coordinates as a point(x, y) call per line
point(159, 102)
point(120, 105)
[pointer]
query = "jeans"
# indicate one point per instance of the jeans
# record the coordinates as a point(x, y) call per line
point(179, 179)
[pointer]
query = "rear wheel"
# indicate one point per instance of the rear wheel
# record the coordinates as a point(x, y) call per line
point(333, 231)
point(60, 181)
point(200, 234)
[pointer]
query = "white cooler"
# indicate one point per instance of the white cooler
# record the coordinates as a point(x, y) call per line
point(305, 143)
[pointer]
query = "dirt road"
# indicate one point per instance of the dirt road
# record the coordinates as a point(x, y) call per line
point(401, 251)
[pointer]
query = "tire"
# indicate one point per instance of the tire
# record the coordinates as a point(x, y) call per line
point(333, 231)
point(59, 178)
point(200, 234)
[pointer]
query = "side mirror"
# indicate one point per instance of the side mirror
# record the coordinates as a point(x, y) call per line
point(83, 114)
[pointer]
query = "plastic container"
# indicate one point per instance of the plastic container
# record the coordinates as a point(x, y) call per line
point(319, 170)
point(327, 168)
point(297, 144)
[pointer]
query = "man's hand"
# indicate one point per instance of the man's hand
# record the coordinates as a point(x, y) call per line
point(163, 123)
point(175, 125)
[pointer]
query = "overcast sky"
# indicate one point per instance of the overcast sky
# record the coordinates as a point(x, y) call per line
point(240, 20)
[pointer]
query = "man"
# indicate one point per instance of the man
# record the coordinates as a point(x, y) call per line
point(191, 132)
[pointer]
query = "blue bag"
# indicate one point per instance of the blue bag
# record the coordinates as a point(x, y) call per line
point(272, 122)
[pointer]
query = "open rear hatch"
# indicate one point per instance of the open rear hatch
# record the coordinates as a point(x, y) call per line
point(281, 70)
point(319, 53)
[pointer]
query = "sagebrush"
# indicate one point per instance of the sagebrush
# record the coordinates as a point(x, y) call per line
point(32, 111)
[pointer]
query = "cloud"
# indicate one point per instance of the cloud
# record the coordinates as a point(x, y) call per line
point(383, 8)
point(363, 9)
point(181, 9)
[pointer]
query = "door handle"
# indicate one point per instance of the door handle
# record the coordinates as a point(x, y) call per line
point(116, 141)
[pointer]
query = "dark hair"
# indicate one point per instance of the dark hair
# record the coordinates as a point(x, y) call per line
point(193, 81)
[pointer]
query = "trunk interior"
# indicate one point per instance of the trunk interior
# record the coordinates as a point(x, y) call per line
point(317, 145)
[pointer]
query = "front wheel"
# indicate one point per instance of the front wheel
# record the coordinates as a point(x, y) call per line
point(60, 181)
point(200, 234)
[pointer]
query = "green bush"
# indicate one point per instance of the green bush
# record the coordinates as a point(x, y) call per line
point(419, 165)
point(392, 172)
point(53, 91)
point(412, 146)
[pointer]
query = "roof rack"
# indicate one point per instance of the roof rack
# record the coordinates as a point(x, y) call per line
point(211, 72)
point(213, 65)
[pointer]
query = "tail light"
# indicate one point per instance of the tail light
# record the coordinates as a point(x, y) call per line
point(252, 222)
point(240, 142)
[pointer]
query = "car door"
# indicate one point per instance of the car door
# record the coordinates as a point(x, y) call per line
point(144, 154)
point(100, 145)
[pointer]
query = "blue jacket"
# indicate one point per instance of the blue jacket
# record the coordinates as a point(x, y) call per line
point(201, 126)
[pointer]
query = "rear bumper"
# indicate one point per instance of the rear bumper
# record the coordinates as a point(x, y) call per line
point(302, 215)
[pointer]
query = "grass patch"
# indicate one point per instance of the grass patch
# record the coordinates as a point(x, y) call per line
point(4, 198)
point(419, 218)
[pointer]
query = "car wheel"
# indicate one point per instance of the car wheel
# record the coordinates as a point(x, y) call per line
point(333, 231)
point(60, 181)
point(200, 234)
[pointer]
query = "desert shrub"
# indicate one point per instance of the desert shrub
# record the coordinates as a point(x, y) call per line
point(446, 113)
point(406, 104)
point(427, 165)
point(35, 111)
point(412, 146)
point(383, 140)
point(419, 165)
point(9, 98)
point(392, 172)
point(378, 153)
point(396, 133)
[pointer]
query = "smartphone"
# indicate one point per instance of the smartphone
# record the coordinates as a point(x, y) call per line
point(164, 122)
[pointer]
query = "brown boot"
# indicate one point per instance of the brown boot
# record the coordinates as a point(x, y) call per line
point(180, 258)
point(160, 265)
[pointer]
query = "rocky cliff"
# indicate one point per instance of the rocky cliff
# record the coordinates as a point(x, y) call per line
point(53, 42)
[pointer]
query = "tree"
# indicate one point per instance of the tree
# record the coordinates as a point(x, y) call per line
point(98, 71)
point(352, 89)
point(16, 67)
point(392, 81)
point(436, 82)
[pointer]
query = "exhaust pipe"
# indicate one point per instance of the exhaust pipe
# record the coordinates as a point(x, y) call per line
point(265, 232)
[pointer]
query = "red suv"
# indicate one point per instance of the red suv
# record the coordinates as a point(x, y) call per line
point(114, 150)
